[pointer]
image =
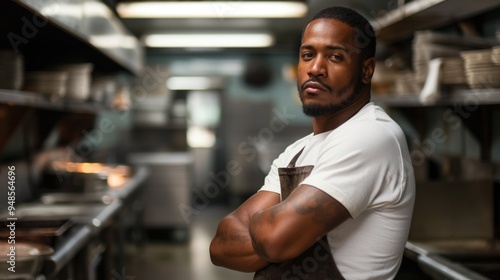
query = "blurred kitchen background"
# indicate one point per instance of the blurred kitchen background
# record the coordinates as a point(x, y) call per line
point(129, 129)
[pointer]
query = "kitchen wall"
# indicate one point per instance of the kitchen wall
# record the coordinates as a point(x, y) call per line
point(280, 91)
point(246, 133)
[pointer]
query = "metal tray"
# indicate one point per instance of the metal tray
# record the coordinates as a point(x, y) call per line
point(40, 230)
point(55, 198)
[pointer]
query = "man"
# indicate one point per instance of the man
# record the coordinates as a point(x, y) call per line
point(360, 188)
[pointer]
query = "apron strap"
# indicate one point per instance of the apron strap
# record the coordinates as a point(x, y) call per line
point(294, 159)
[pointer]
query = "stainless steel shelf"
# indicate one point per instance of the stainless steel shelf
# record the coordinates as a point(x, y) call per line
point(490, 96)
point(400, 23)
point(92, 23)
point(36, 100)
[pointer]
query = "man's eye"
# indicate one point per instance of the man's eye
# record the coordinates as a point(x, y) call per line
point(337, 57)
point(307, 55)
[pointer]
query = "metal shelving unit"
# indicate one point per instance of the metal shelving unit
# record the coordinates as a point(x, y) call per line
point(474, 108)
point(96, 30)
point(400, 23)
point(37, 100)
point(63, 31)
point(488, 96)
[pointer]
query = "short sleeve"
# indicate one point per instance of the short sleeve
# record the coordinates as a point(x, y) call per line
point(361, 168)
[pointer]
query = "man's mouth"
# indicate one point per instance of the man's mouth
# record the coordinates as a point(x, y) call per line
point(314, 87)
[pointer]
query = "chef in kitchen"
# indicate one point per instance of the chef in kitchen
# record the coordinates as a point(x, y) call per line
point(337, 203)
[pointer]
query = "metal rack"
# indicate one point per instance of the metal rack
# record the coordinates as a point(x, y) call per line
point(474, 108)
point(488, 96)
point(35, 100)
point(400, 23)
point(95, 28)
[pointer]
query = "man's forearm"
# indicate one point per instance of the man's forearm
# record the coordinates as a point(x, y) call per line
point(232, 247)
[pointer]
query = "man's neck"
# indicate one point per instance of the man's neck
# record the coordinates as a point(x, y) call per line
point(330, 122)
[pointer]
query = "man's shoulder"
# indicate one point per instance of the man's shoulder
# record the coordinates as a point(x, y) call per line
point(299, 143)
point(374, 129)
point(370, 121)
point(372, 112)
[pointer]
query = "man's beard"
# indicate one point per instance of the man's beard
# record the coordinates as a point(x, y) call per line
point(316, 110)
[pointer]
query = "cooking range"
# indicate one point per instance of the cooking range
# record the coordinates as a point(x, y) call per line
point(75, 223)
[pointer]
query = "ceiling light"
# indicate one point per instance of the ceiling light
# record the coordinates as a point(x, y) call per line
point(191, 83)
point(114, 41)
point(213, 9)
point(214, 40)
point(194, 83)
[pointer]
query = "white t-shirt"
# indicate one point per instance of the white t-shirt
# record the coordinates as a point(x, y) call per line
point(366, 166)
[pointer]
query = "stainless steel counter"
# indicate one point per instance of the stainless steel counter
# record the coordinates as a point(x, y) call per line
point(67, 250)
point(89, 219)
point(441, 262)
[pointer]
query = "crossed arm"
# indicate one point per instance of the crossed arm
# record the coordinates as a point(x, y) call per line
point(264, 230)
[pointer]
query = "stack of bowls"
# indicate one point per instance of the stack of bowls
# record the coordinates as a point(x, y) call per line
point(50, 83)
point(79, 79)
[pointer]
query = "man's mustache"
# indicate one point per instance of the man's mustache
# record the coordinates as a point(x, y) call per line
point(316, 80)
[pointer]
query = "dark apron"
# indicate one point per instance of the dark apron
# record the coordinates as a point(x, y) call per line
point(316, 263)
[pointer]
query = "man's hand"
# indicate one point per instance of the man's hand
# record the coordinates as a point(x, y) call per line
point(232, 245)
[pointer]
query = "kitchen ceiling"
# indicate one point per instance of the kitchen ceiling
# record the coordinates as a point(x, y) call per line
point(287, 31)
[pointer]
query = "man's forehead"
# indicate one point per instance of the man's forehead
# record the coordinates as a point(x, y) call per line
point(330, 32)
point(330, 23)
point(329, 29)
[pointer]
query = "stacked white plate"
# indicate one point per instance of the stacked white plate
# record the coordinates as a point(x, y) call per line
point(480, 70)
point(452, 71)
point(495, 55)
point(79, 79)
point(51, 83)
point(428, 45)
point(11, 70)
point(423, 52)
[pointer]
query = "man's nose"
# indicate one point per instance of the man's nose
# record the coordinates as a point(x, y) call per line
point(317, 68)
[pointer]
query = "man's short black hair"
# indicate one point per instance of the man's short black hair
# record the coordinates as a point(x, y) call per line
point(364, 34)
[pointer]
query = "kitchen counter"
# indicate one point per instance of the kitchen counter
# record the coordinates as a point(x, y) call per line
point(450, 259)
point(67, 249)
point(95, 215)
point(89, 218)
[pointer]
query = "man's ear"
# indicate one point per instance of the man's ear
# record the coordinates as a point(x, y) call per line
point(368, 69)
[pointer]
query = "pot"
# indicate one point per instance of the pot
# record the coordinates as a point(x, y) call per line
point(26, 260)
